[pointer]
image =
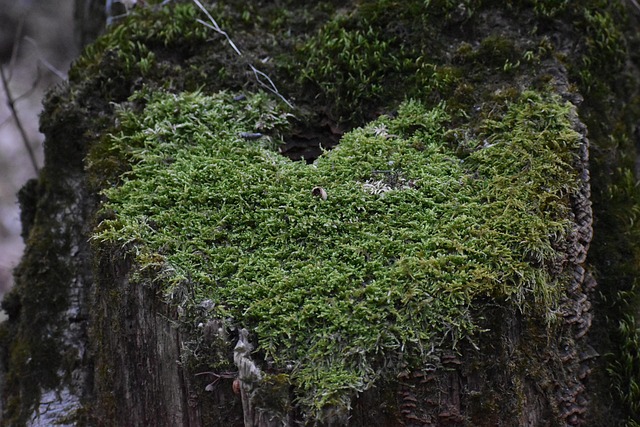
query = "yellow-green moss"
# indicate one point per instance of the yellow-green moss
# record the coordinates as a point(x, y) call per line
point(128, 43)
point(364, 60)
point(357, 286)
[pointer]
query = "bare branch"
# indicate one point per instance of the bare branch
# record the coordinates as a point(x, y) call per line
point(61, 75)
point(635, 3)
point(34, 87)
point(271, 86)
point(16, 47)
point(12, 106)
point(257, 73)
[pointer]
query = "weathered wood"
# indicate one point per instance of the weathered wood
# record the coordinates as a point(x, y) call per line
point(93, 338)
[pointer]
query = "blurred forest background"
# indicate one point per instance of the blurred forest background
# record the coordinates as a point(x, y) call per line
point(37, 45)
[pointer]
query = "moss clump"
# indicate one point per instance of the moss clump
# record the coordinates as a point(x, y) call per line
point(128, 44)
point(362, 62)
point(624, 367)
point(360, 285)
point(543, 8)
point(353, 65)
point(618, 257)
point(603, 71)
point(366, 59)
point(31, 344)
point(605, 50)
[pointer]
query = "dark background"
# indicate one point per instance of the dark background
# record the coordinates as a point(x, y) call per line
point(36, 47)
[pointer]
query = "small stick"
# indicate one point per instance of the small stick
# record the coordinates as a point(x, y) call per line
point(257, 73)
point(271, 87)
point(47, 64)
point(216, 27)
point(14, 112)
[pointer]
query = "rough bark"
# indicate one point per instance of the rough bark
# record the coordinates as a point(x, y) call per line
point(93, 339)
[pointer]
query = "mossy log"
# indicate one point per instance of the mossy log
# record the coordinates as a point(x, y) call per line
point(417, 213)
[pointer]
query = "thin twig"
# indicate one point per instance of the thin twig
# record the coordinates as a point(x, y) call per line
point(47, 64)
point(16, 47)
point(271, 87)
point(220, 375)
point(34, 87)
point(14, 112)
point(217, 29)
point(257, 73)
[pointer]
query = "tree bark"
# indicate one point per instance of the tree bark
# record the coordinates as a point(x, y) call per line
point(93, 338)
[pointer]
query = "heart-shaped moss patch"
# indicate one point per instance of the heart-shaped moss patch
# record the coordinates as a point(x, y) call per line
point(358, 265)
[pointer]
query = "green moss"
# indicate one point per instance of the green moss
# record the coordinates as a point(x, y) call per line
point(366, 60)
point(388, 265)
point(544, 8)
point(610, 111)
point(32, 352)
point(496, 50)
point(625, 366)
point(354, 66)
point(618, 259)
point(170, 27)
point(605, 52)
point(339, 287)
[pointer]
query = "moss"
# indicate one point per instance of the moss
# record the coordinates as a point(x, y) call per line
point(617, 256)
point(129, 42)
point(36, 353)
point(27, 198)
point(409, 236)
point(497, 51)
point(544, 8)
point(361, 60)
point(353, 65)
point(605, 50)
point(32, 350)
point(624, 368)
point(364, 61)
point(230, 221)
point(274, 394)
point(610, 110)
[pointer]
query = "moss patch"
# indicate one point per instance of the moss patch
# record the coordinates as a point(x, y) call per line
point(31, 343)
point(361, 284)
point(425, 213)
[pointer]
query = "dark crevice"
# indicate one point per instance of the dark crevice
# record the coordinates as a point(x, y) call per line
point(307, 142)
